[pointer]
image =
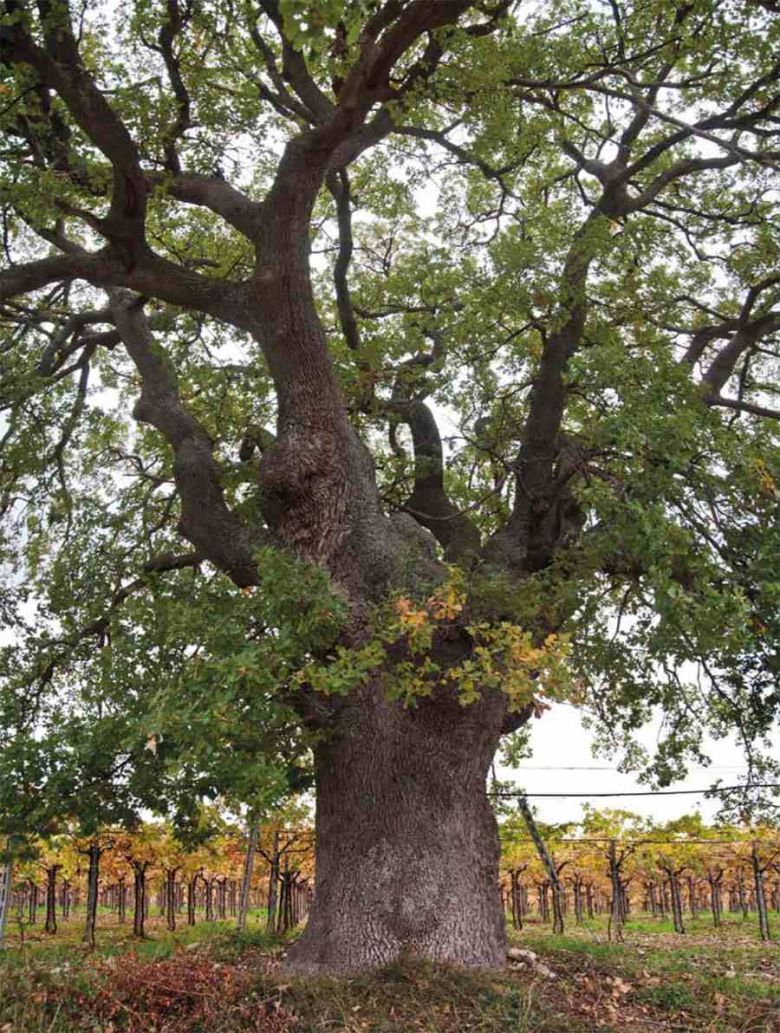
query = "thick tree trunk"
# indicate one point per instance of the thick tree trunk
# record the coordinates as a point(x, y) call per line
point(407, 848)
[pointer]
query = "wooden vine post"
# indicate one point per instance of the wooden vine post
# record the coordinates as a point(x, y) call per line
point(547, 861)
point(6, 873)
point(246, 879)
point(273, 881)
point(758, 882)
point(616, 912)
point(51, 897)
point(94, 852)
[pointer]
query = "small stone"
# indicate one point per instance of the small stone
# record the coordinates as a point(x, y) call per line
point(520, 957)
point(519, 954)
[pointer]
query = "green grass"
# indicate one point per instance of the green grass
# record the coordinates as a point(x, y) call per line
point(208, 979)
point(112, 938)
point(714, 980)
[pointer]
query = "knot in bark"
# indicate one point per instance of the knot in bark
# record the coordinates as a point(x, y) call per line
point(304, 491)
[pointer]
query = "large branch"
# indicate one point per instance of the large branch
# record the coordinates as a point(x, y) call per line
point(680, 169)
point(368, 81)
point(340, 133)
point(278, 96)
point(213, 193)
point(703, 337)
point(725, 361)
point(294, 69)
point(58, 66)
point(32, 276)
point(757, 319)
point(541, 492)
point(206, 519)
point(429, 503)
point(340, 129)
point(537, 523)
point(171, 28)
point(338, 184)
point(154, 277)
point(740, 406)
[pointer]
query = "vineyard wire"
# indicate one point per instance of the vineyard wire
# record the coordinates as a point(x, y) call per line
point(514, 794)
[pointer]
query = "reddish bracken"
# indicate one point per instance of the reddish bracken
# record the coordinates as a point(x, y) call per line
point(183, 993)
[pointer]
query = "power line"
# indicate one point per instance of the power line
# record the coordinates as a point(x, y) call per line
point(554, 767)
point(513, 794)
point(637, 842)
point(592, 767)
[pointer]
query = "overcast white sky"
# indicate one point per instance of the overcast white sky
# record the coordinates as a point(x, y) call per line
point(560, 743)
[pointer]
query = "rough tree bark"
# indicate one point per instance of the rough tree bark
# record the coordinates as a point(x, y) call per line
point(408, 847)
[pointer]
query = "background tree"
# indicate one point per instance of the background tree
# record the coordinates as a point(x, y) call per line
point(589, 311)
point(618, 831)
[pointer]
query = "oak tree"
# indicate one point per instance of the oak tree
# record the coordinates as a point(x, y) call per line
point(372, 369)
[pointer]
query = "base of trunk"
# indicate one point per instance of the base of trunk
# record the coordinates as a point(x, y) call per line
point(407, 846)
